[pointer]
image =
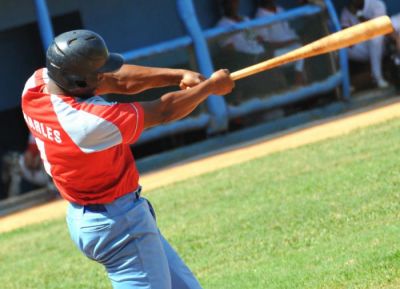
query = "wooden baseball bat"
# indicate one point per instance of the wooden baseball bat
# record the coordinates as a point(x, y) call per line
point(341, 39)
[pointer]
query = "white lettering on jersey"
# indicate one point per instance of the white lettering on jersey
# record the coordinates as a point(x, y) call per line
point(42, 150)
point(42, 129)
point(57, 136)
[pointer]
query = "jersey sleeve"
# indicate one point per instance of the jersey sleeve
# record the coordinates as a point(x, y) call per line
point(129, 119)
point(95, 124)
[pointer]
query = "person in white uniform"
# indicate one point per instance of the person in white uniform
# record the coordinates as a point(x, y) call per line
point(354, 13)
point(238, 50)
point(375, 8)
point(244, 41)
point(396, 34)
point(279, 36)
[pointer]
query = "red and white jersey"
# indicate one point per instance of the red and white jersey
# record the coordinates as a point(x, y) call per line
point(84, 143)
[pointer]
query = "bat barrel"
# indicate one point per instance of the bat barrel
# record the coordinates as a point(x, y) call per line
point(341, 39)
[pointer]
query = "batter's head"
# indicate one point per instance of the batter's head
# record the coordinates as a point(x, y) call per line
point(75, 59)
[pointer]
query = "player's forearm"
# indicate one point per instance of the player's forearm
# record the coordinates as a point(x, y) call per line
point(132, 79)
point(176, 105)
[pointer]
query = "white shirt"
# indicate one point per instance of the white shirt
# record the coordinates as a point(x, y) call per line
point(396, 22)
point(373, 9)
point(277, 32)
point(348, 19)
point(243, 41)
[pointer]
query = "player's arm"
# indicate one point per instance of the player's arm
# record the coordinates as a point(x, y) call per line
point(132, 79)
point(176, 105)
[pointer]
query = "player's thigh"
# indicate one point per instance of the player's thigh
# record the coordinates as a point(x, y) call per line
point(396, 22)
point(181, 276)
point(141, 261)
point(127, 245)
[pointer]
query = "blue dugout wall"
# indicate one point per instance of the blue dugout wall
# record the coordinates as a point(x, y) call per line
point(171, 25)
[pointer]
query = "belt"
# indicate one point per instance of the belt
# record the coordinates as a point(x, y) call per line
point(95, 208)
point(101, 208)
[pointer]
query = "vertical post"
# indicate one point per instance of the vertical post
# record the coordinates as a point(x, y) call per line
point(216, 105)
point(343, 58)
point(44, 22)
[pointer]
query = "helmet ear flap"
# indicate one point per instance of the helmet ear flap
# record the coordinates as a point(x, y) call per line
point(78, 81)
point(75, 59)
point(82, 85)
point(75, 81)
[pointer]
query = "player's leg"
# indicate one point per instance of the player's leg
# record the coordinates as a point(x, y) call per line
point(181, 276)
point(396, 25)
point(376, 53)
point(126, 241)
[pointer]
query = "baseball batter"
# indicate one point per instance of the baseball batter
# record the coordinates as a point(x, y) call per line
point(84, 142)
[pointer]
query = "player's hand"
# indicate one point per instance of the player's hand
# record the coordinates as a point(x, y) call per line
point(190, 79)
point(222, 82)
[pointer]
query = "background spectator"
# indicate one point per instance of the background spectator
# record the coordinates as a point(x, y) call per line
point(279, 37)
point(245, 41)
point(354, 13)
point(31, 165)
point(238, 50)
point(24, 172)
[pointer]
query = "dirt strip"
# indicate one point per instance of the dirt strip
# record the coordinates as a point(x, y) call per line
point(295, 138)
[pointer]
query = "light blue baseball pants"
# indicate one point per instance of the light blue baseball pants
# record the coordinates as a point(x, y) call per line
point(126, 240)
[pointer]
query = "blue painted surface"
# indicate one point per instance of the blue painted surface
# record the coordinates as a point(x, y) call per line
point(257, 104)
point(216, 105)
point(306, 10)
point(127, 24)
point(165, 46)
point(343, 58)
point(44, 21)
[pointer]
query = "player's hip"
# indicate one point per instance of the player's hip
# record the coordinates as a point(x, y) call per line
point(94, 225)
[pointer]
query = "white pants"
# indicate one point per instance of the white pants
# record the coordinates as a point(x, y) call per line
point(396, 22)
point(371, 51)
point(298, 65)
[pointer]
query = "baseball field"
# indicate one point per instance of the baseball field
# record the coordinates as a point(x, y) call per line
point(316, 208)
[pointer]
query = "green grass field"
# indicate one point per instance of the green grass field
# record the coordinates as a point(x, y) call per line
point(324, 215)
